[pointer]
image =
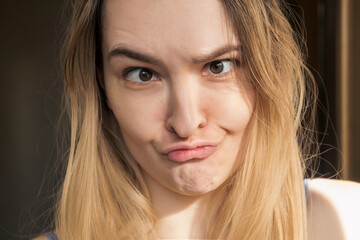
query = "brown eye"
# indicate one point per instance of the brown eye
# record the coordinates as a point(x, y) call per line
point(220, 67)
point(140, 75)
point(216, 67)
point(145, 75)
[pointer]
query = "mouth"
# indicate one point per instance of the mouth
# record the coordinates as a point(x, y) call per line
point(186, 154)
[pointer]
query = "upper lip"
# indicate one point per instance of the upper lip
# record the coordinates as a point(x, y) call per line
point(187, 146)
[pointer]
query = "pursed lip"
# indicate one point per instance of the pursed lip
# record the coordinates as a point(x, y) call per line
point(185, 152)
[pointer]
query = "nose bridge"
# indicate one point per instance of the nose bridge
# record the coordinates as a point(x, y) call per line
point(185, 114)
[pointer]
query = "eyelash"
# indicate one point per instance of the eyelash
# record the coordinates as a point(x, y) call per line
point(125, 75)
point(233, 63)
point(128, 71)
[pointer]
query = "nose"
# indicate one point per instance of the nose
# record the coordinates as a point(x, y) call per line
point(185, 115)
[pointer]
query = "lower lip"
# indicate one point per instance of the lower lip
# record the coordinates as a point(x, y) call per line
point(183, 155)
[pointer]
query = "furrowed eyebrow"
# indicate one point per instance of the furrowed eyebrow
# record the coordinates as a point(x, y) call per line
point(216, 53)
point(143, 57)
point(121, 51)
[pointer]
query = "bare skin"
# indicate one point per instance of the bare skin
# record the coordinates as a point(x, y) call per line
point(181, 31)
point(182, 118)
point(161, 85)
point(333, 210)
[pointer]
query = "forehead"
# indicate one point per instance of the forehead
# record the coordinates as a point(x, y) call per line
point(164, 26)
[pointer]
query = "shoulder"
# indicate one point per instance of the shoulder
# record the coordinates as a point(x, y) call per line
point(333, 209)
point(46, 236)
point(41, 238)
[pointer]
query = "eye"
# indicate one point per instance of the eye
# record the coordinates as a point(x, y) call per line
point(220, 66)
point(140, 75)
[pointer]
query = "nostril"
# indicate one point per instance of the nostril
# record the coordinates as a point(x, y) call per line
point(185, 114)
point(185, 128)
point(172, 130)
point(203, 122)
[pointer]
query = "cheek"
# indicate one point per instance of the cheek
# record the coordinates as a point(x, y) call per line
point(139, 118)
point(232, 108)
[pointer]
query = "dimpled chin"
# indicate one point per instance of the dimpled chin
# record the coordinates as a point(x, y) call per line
point(195, 181)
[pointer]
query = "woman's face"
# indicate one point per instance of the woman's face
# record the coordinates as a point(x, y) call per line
point(169, 69)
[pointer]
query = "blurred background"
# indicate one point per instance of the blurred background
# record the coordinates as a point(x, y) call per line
point(31, 86)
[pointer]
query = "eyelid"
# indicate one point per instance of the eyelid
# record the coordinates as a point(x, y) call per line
point(127, 71)
point(234, 61)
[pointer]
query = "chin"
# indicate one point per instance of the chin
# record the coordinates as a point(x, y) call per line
point(197, 184)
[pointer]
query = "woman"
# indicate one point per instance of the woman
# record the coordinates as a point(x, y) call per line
point(187, 123)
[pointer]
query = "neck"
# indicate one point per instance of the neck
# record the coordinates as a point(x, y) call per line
point(183, 217)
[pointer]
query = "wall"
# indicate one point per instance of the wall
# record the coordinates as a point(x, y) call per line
point(30, 79)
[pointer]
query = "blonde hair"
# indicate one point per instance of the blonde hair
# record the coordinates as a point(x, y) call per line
point(103, 196)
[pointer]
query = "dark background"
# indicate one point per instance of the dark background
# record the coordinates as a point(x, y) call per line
point(31, 34)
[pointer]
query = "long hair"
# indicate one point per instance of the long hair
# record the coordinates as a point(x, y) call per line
point(103, 195)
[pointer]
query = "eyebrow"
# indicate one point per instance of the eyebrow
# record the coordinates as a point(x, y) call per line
point(123, 51)
point(216, 53)
point(143, 57)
